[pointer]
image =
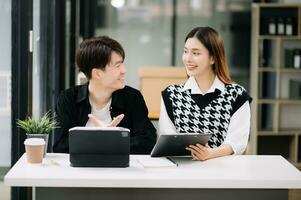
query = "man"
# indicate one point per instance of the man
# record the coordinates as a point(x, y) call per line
point(103, 98)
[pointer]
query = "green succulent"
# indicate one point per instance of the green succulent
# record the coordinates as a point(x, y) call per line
point(38, 126)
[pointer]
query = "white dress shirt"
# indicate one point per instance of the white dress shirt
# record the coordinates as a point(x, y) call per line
point(103, 114)
point(239, 126)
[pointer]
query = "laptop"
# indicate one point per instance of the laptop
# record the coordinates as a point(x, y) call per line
point(175, 144)
point(99, 146)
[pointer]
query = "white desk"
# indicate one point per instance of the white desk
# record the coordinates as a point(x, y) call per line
point(254, 177)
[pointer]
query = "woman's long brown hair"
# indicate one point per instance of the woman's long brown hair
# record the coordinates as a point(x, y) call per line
point(215, 45)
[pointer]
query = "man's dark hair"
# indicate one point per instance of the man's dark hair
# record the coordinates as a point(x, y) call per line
point(96, 53)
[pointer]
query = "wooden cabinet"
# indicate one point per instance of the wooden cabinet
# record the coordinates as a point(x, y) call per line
point(276, 80)
point(153, 80)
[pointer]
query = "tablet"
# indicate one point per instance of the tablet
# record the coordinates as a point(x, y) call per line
point(99, 146)
point(175, 144)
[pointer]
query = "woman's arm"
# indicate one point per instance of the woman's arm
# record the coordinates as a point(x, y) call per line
point(165, 124)
point(239, 129)
point(235, 141)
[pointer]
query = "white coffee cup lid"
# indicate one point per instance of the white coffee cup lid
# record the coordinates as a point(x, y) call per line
point(34, 141)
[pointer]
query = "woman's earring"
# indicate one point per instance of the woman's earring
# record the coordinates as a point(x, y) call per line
point(212, 61)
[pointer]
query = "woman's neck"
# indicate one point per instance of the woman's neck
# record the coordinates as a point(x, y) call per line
point(205, 81)
point(99, 95)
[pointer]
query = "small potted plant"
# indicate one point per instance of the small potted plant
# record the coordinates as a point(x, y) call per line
point(38, 128)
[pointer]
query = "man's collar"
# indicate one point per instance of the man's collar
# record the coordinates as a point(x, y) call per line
point(192, 85)
point(117, 97)
point(82, 93)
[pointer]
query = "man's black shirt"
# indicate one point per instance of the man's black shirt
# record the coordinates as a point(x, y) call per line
point(73, 107)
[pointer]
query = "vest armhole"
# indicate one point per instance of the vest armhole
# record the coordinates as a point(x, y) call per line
point(240, 101)
point(168, 105)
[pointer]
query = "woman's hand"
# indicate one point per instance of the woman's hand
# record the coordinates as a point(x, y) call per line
point(200, 152)
point(99, 123)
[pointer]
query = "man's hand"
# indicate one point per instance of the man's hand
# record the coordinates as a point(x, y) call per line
point(99, 123)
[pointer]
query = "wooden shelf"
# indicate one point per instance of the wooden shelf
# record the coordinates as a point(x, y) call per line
point(271, 79)
point(290, 70)
point(279, 133)
point(290, 132)
point(267, 69)
point(280, 69)
point(279, 37)
point(266, 133)
point(279, 101)
point(276, 5)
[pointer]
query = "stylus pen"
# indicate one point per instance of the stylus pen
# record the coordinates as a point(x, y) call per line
point(171, 160)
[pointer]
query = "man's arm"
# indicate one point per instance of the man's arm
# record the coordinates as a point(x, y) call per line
point(143, 133)
point(64, 118)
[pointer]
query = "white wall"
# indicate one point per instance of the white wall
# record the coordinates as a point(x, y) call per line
point(145, 29)
point(5, 83)
point(144, 32)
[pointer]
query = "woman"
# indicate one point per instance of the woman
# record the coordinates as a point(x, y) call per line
point(209, 101)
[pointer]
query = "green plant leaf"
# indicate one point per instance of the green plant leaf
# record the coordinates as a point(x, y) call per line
point(38, 126)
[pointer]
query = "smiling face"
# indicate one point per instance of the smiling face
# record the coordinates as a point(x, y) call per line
point(196, 58)
point(113, 76)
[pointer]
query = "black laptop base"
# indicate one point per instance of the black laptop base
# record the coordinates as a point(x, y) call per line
point(96, 160)
point(99, 147)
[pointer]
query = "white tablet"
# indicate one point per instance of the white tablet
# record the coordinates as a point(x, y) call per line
point(175, 144)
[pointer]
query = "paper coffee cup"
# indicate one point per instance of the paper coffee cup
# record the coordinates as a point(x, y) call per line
point(34, 148)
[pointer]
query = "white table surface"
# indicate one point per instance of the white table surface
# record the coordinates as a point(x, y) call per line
point(247, 171)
